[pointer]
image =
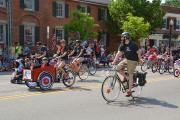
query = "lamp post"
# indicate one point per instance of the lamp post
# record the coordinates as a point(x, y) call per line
point(171, 23)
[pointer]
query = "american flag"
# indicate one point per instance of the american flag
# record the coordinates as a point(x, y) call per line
point(53, 42)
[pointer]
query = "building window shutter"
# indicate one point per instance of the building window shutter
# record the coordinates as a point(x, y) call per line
point(107, 39)
point(78, 7)
point(37, 5)
point(66, 36)
point(175, 24)
point(37, 34)
point(22, 4)
point(99, 36)
point(53, 31)
point(6, 35)
point(66, 10)
point(99, 13)
point(108, 15)
point(88, 10)
point(167, 23)
point(21, 34)
point(54, 9)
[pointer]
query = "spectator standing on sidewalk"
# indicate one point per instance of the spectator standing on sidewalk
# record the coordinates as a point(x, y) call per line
point(12, 52)
point(1, 55)
point(26, 51)
point(18, 49)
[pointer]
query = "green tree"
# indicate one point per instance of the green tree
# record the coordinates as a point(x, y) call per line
point(136, 26)
point(118, 11)
point(175, 3)
point(150, 11)
point(82, 24)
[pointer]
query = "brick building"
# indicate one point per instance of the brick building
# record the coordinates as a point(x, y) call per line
point(31, 19)
point(161, 35)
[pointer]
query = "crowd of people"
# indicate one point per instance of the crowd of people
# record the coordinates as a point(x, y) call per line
point(63, 50)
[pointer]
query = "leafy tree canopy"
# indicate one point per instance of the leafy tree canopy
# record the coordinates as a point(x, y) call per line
point(150, 11)
point(82, 24)
point(136, 27)
point(175, 3)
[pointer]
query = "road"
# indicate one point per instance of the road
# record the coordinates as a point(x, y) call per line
point(160, 99)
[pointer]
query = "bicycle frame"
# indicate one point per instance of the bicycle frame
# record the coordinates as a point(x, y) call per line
point(125, 87)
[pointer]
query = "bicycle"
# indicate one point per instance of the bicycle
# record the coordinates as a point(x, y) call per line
point(91, 66)
point(83, 71)
point(153, 65)
point(113, 85)
point(166, 65)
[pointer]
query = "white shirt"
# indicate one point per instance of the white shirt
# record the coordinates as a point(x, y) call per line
point(89, 51)
point(1, 51)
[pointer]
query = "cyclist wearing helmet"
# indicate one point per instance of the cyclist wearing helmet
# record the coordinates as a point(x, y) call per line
point(132, 55)
point(77, 53)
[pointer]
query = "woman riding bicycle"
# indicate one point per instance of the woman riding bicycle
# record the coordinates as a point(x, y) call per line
point(62, 54)
point(77, 54)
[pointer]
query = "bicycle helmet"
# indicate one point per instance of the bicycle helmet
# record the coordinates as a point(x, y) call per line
point(62, 41)
point(78, 41)
point(126, 34)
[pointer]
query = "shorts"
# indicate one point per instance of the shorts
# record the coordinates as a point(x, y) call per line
point(131, 65)
point(122, 65)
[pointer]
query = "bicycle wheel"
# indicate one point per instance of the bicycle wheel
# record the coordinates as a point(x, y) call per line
point(92, 68)
point(171, 68)
point(70, 80)
point(84, 72)
point(154, 67)
point(110, 89)
point(162, 68)
point(176, 73)
point(144, 66)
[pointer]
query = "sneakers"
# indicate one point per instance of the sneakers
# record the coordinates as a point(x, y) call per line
point(129, 94)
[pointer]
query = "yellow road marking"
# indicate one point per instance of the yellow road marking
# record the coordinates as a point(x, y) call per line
point(94, 86)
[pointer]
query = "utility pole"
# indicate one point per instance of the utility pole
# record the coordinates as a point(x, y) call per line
point(9, 20)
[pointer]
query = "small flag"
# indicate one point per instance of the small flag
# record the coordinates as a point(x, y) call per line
point(53, 42)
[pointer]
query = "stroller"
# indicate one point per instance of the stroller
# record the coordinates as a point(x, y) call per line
point(177, 68)
point(18, 72)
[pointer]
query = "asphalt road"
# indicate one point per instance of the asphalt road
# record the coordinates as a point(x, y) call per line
point(160, 99)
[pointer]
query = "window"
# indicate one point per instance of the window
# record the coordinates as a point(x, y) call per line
point(29, 35)
point(103, 38)
point(2, 3)
point(102, 14)
point(60, 10)
point(164, 24)
point(178, 24)
point(83, 9)
point(59, 33)
point(2, 32)
point(29, 5)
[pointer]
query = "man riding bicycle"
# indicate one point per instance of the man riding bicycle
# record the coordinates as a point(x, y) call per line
point(132, 55)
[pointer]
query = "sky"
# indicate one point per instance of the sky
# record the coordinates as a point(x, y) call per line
point(162, 1)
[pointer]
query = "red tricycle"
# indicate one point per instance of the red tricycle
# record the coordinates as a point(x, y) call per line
point(44, 77)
